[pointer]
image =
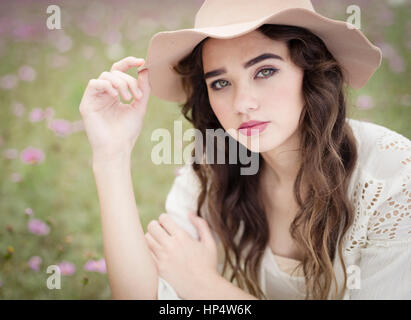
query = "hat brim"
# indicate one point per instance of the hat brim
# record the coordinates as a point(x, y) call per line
point(358, 57)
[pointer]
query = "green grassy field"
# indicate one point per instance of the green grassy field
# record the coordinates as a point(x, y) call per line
point(49, 69)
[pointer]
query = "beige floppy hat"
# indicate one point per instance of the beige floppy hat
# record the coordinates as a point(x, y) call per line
point(225, 19)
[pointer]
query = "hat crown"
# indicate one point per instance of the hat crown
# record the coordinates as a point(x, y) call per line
point(214, 13)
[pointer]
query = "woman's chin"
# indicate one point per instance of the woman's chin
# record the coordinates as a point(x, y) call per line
point(257, 144)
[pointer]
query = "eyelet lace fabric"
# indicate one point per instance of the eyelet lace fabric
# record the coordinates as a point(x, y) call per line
point(378, 243)
point(382, 193)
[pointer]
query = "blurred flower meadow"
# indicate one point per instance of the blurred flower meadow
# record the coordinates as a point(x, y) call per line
point(49, 210)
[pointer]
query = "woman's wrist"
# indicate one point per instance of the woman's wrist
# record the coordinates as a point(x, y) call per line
point(104, 161)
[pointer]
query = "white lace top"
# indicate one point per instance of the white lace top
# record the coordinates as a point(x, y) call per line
point(377, 247)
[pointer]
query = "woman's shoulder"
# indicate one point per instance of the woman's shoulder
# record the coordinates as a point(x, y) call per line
point(185, 174)
point(382, 152)
point(182, 197)
point(378, 137)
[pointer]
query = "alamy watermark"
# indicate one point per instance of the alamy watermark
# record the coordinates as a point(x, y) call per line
point(213, 153)
point(54, 281)
point(354, 20)
point(54, 20)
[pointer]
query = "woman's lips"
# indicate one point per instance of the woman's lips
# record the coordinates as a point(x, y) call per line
point(253, 130)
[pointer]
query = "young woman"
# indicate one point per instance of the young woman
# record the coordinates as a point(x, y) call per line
point(327, 215)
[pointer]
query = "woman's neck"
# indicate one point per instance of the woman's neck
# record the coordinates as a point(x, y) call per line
point(281, 165)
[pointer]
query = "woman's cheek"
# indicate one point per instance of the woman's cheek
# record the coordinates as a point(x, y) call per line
point(287, 100)
point(223, 116)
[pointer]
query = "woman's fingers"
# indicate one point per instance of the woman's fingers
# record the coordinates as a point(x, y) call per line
point(100, 86)
point(169, 224)
point(151, 242)
point(154, 249)
point(158, 233)
point(118, 83)
point(127, 63)
point(131, 82)
point(142, 80)
point(96, 88)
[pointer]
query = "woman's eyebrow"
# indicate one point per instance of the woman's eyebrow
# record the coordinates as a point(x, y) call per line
point(264, 56)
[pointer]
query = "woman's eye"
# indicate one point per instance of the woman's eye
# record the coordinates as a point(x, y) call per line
point(213, 85)
point(270, 72)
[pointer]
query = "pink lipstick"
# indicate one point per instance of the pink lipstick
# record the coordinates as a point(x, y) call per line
point(253, 127)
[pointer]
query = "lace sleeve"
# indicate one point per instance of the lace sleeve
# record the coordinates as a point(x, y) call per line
point(391, 220)
point(385, 260)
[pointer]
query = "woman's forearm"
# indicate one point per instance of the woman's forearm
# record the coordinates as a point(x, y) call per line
point(131, 269)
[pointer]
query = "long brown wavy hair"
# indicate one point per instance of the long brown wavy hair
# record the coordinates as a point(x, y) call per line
point(328, 151)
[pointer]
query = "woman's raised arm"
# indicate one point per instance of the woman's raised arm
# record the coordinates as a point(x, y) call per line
point(112, 128)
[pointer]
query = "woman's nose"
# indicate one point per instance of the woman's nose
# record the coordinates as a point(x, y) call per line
point(244, 101)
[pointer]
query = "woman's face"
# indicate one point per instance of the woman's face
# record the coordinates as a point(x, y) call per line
point(269, 90)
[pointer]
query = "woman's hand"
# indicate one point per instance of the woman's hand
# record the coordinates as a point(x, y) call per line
point(113, 127)
point(184, 262)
